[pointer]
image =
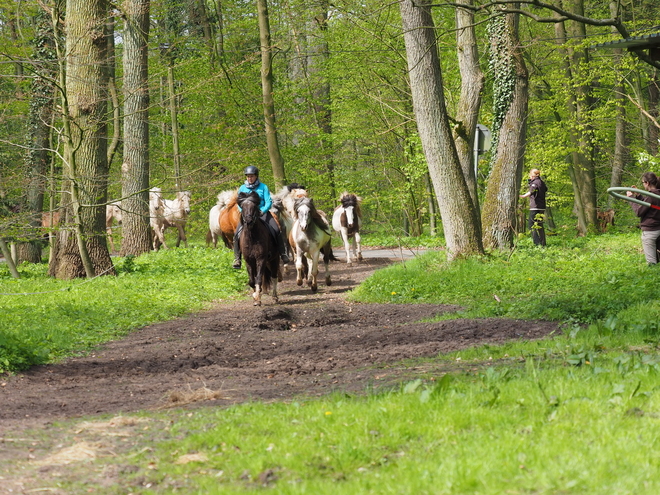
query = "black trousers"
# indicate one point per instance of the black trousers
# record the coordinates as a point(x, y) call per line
point(535, 224)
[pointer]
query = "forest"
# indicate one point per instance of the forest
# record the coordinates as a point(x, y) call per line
point(432, 112)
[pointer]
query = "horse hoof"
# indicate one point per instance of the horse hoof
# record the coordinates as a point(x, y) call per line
point(328, 282)
point(299, 282)
point(276, 300)
point(314, 288)
point(257, 303)
point(348, 263)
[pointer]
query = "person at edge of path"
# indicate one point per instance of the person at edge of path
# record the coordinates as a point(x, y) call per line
point(253, 184)
point(650, 216)
point(536, 195)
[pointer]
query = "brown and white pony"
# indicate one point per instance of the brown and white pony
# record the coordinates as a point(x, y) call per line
point(347, 220)
point(283, 209)
point(258, 248)
point(309, 237)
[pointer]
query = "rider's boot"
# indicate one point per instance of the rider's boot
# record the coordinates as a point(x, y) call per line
point(237, 248)
point(282, 249)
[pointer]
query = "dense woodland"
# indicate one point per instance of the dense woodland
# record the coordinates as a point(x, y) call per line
point(102, 100)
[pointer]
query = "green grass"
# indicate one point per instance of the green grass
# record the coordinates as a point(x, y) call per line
point(583, 280)
point(578, 413)
point(44, 319)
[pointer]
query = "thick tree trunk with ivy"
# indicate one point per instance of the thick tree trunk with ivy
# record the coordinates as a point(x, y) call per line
point(472, 83)
point(39, 129)
point(460, 220)
point(135, 169)
point(276, 160)
point(511, 97)
point(86, 142)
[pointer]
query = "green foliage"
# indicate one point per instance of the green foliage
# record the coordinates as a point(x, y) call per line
point(46, 319)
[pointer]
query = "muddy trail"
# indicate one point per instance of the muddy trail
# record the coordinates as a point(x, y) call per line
point(305, 346)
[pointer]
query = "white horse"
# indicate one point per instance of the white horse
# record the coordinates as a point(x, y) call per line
point(310, 236)
point(347, 220)
point(175, 214)
point(156, 217)
point(113, 214)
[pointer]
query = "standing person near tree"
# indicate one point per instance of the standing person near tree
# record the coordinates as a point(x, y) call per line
point(536, 195)
point(650, 216)
point(253, 184)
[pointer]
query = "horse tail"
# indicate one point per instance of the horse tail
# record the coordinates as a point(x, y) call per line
point(328, 255)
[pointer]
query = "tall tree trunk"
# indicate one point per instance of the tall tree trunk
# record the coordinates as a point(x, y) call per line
point(472, 83)
point(499, 210)
point(39, 130)
point(84, 106)
point(174, 121)
point(460, 221)
point(220, 31)
point(319, 54)
point(135, 169)
point(276, 160)
point(583, 174)
point(654, 101)
point(620, 144)
point(112, 90)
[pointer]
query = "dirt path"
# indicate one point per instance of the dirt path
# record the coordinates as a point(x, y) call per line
point(309, 344)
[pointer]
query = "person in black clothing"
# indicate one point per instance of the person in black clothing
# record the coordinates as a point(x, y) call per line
point(536, 195)
point(650, 217)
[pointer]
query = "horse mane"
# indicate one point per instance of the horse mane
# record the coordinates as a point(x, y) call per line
point(317, 216)
point(227, 199)
point(349, 199)
point(251, 197)
point(295, 185)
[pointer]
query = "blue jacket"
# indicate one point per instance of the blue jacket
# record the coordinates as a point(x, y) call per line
point(264, 195)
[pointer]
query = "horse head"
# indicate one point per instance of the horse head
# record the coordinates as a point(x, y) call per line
point(249, 204)
point(303, 210)
point(184, 201)
point(351, 205)
point(155, 201)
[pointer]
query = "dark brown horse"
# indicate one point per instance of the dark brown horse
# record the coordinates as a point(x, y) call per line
point(258, 247)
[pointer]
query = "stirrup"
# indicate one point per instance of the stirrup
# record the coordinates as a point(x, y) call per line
point(285, 259)
point(236, 264)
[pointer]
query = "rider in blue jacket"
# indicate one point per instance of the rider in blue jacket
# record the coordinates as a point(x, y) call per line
point(253, 184)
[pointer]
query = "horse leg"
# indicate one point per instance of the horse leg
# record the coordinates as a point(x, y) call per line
point(358, 242)
point(274, 281)
point(180, 235)
point(347, 246)
point(258, 281)
point(314, 262)
point(159, 236)
point(110, 240)
point(299, 267)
